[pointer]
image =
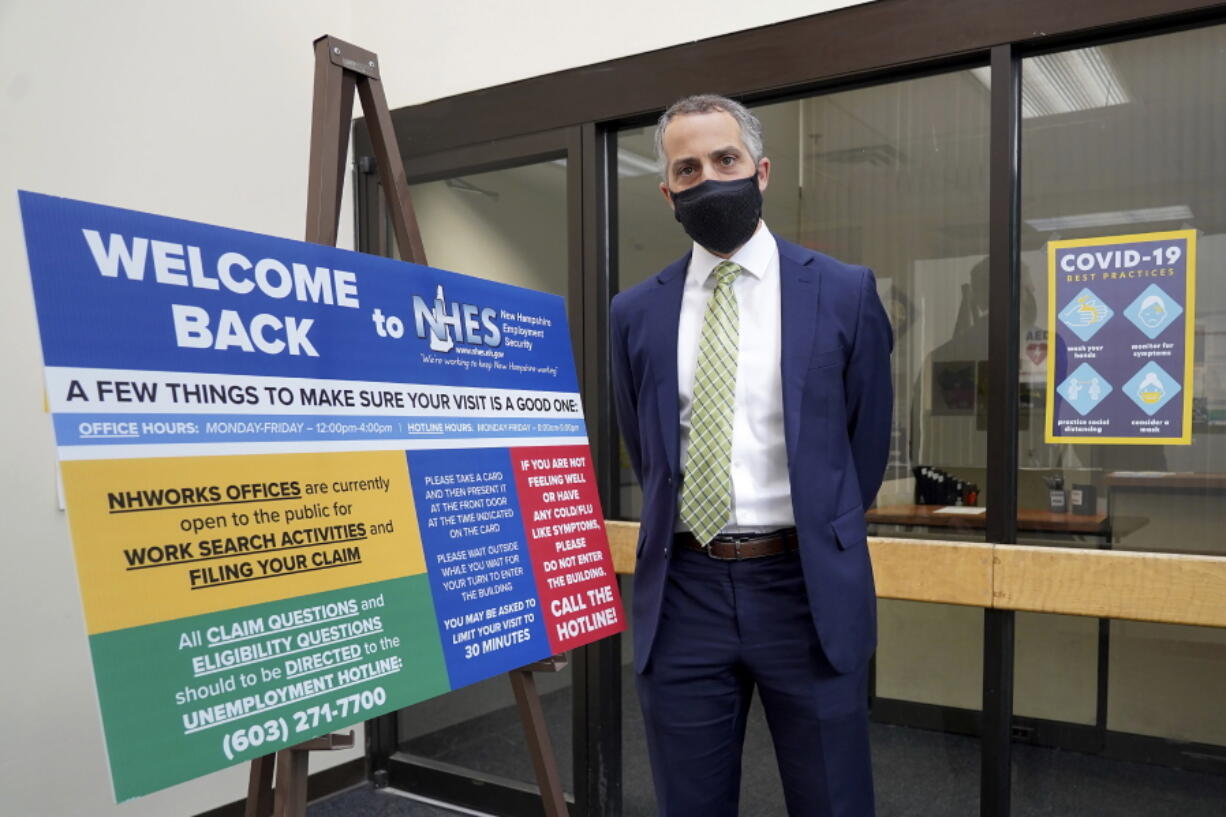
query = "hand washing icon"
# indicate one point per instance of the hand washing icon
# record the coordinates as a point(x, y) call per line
point(1085, 314)
point(1089, 311)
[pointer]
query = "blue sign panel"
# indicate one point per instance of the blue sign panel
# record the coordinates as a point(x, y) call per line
point(180, 296)
point(478, 561)
point(1121, 313)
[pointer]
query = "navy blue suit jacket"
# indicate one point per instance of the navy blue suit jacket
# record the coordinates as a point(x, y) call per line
point(837, 399)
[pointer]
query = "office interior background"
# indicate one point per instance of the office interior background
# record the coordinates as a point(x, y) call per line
point(887, 151)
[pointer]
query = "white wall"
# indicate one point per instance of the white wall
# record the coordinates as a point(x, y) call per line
point(201, 111)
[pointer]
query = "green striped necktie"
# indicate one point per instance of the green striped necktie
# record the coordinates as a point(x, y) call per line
point(706, 490)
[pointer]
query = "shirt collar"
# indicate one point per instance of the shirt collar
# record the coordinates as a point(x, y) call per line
point(754, 257)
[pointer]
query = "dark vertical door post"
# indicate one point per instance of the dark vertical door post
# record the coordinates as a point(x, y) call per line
point(1003, 351)
point(597, 667)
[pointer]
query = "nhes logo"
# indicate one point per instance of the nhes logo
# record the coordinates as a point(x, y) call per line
point(455, 323)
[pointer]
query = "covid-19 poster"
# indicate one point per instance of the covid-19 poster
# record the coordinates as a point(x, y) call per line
point(305, 486)
point(1121, 316)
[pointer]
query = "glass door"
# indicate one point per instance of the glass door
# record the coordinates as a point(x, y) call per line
point(511, 225)
point(894, 177)
point(1121, 142)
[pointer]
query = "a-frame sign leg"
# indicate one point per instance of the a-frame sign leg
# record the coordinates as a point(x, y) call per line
point(340, 69)
point(259, 787)
point(523, 682)
point(331, 112)
point(290, 796)
point(391, 171)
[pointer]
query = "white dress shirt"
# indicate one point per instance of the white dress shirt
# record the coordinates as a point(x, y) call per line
point(761, 493)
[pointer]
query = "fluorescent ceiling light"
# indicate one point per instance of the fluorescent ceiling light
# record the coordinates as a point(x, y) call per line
point(629, 164)
point(1067, 81)
point(1179, 212)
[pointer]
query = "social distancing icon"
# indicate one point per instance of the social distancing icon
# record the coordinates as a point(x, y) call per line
point(1084, 389)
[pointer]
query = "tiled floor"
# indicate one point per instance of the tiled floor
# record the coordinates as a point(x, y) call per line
point(918, 774)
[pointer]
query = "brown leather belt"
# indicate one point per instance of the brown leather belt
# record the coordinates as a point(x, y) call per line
point(732, 547)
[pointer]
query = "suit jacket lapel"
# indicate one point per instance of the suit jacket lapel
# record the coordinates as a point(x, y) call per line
point(663, 322)
point(798, 291)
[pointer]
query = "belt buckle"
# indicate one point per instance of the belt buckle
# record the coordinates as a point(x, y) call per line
point(736, 545)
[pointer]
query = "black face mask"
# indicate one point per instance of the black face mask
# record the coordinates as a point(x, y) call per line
point(720, 216)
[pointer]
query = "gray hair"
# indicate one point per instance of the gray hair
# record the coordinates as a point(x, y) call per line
point(751, 128)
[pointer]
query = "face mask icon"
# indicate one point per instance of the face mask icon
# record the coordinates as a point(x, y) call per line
point(1152, 311)
point(1151, 389)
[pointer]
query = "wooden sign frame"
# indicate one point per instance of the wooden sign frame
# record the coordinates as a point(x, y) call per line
point(340, 69)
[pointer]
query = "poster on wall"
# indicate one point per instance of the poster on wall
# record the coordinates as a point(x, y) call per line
point(1121, 316)
point(305, 486)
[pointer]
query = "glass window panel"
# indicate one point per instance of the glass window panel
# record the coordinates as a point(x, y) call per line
point(1137, 151)
point(930, 653)
point(1119, 139)
point(1055, 675)
point(509, 226)
point(893, 177)
point(648, 240)
point(1166, 682)
point(506, 225)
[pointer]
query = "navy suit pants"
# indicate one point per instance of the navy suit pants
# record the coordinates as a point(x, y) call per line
point(729, 627)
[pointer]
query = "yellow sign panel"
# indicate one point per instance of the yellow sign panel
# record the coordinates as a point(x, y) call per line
point(161, 539)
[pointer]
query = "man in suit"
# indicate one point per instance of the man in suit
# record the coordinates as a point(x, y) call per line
point(752, 385)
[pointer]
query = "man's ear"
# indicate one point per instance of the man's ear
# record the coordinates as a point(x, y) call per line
point(764, 173)
point(668, 196)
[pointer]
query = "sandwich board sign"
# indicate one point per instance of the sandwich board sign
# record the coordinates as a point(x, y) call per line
point(305, 486)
